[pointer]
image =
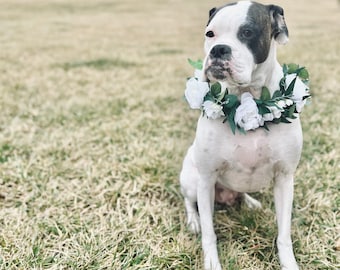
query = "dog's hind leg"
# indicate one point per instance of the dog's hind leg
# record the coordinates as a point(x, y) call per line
point(189, 178)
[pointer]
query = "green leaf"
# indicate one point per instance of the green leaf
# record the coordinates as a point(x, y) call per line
point(283, 85)
point(196, 64)
point(266, 126)
point(270, 103)
point(285, 120)
point(291, 111)
point(277, 94)
point(242, 130)
point(263, 110)
point(303, 74)
point(215, 89)
point(265, 94)
point(307, 96)
point(231, 120)
point(231, 101)
point(209, 96)
point(290, 88)
point(276, 121)
point(292, 68)
point(285, 69)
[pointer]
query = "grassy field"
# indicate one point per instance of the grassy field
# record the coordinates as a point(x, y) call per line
point(94, 127)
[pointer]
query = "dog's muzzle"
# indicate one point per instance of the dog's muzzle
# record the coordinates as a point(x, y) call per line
point(217, 64)
point(220, 51)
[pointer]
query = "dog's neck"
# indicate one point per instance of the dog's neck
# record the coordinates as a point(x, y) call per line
point(268, 73)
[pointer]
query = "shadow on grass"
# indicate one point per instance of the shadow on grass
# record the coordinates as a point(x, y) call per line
point(99, 64)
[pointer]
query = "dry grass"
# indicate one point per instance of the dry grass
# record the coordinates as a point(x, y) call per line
point(93, 129)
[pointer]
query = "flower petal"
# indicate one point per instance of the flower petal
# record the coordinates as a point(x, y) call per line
point(195, 92)
point(212, 109)
point(247, 114)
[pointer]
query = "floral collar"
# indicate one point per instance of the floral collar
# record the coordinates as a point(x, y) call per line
point(250, 113)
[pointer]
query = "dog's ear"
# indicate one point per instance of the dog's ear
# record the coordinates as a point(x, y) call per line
point(279, 27)
point(212, 13)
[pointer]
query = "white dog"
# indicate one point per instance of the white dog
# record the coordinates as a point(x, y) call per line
point(240, 47)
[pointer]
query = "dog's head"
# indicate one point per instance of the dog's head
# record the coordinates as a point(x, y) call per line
point(238, 38)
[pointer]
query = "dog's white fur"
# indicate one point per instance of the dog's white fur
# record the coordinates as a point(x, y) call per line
point(242, 163)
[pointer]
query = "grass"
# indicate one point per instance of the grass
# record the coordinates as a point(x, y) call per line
point(93, 130)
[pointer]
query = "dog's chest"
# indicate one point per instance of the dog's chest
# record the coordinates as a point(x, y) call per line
point(248, 165)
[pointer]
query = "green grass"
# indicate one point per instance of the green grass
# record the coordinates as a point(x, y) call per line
point(93, 130)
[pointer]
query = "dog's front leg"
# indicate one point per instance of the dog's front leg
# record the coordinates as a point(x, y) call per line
point(284, 193)
point(205, 202)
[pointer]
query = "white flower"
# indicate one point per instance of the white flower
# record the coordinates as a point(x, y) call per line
point(198, 74)
point(274, 113)
point(299, 92)
point(247, 114)
point(268, 117)
point(289, 102)
point(212, 109)
point(281, 103)
point(195, 92)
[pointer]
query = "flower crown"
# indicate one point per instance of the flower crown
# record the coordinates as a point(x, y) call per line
point(250, 113)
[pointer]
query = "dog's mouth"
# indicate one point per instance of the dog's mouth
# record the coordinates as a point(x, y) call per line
point(217, 70)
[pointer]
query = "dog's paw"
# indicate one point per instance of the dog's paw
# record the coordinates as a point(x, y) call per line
point(289, 264)
point(211, 261)
point(251, 202)
point(286, 255)
point(212, 265)
point(291, 267)
point(194, 223)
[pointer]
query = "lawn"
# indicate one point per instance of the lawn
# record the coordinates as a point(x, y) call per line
point(94, 127)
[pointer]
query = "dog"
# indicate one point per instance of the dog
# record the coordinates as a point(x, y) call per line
point(240, 51)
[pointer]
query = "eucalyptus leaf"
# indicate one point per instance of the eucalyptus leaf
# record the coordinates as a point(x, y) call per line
point(285, 69)
point(231, 121)
point(285, 120)
point(292, 68)
point(291, 111)
point(241, 130)
point(196, 64)
point(270, 103)
point(209, 96)
point(283, 85)
point(276, 94)
point(290, 88)
point(215, 89)
point(266, 126)
point(263, 110)
point(231, 101)
point(303, 74)
point(265, 94)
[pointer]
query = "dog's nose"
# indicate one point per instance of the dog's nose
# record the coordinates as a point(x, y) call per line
point(221, 51)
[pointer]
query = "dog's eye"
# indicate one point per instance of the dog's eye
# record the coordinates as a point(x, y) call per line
point(247, 33)
point(210, 34)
